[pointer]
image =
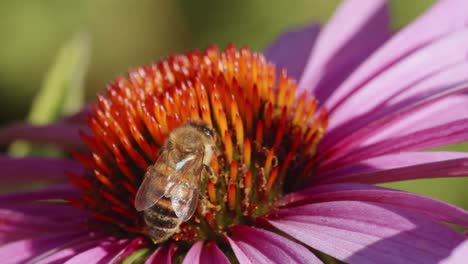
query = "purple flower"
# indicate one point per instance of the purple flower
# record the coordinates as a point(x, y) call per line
point(297, 164)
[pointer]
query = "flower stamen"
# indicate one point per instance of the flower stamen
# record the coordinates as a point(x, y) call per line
point(266, 139)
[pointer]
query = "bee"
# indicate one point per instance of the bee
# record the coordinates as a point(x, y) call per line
point(170, 189)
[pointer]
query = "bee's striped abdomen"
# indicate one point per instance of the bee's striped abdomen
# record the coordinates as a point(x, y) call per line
point(161, 220)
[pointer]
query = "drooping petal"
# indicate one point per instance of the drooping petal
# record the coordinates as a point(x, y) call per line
point(428, 206)
point(391, 161)
point(290, 50)
point(356, 29)
point(453, 132)
point(134, 245)
point(29, 170)
point(162, 254)
point(104, 252)
point(363, 232)
point(53, 192)
point(459, 255)
point(444, 17)
point(254, 245)
point(208, 253)
point(20, 251)
point(418, 66)
point(445, 168)
point(435, 115)
point(67, 251)
point(64, 135)
point(21, 221)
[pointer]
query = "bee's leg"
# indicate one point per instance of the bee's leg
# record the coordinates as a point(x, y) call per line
point(208, 172)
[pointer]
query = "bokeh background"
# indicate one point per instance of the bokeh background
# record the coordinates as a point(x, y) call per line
point(123, 34)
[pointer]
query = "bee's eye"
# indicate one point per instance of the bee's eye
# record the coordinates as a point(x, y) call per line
point(208, 132)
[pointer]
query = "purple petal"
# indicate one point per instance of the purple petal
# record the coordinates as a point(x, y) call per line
point(430, 207)
point(162, 255)
point(208, 253)
point(80, 117)
point(356, 29)
point(452, 132)
point(64, 253)
point(194, 254)
point(52, 192)
point(290, 50)
point(18, 225)
point(36, 169)
point(448, 168)
point(362, 232)
point(253, 245)
point(21, 250)
point(416, 67)
point(444, 17)
point(459, 255)
point(104, 252)
point(134, 245)
point(400, 116)
point(60, 134)
point(435, 115)
point(391, 161)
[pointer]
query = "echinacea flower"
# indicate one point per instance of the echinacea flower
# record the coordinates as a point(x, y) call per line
point(297, 162)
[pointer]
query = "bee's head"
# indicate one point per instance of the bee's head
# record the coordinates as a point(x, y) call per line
point(204, 128)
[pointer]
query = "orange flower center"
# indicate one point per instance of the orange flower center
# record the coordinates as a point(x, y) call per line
point(267, 139)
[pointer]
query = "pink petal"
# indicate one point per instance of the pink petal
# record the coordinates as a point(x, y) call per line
point(53, 192)
point(64, 253)
point(435, 115)
point(401, 115)
point(444, 17)
point(102, 253)
point(161, 255)
point(430, 207)
point(447, 168)
point(35, 169)
point(418, 66)
point(80, 117)
point(193, 255)
point(452, 132)
point(134, 245)
point(22, 250)
point(69, 248)
point(208, 253)
point(253, 245)
point(434, 86)
point(19, 225)
point(391, 161)
point(459, 255)
point(64, 135)
point(356, 29)
point(362, 232)
point(290, 50)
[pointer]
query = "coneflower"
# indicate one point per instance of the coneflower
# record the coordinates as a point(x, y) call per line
point(296, 161)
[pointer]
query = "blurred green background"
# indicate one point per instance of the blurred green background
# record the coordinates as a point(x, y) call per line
point(124, 34)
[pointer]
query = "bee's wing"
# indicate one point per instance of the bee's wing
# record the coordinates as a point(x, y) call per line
point(184, 194)
point(185, 208)
point(155, 183)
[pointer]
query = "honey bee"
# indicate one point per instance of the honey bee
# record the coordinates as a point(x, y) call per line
point(170, 189)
